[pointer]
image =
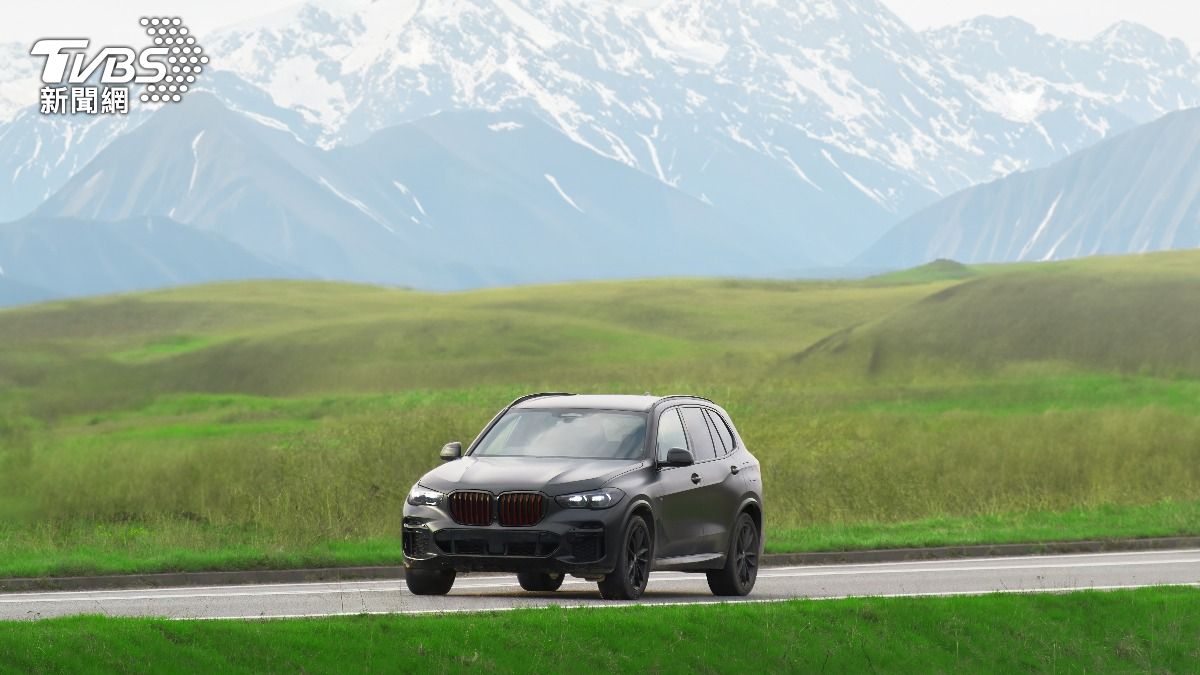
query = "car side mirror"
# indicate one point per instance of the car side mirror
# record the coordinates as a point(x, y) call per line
point(451, 451)
point(679, 457)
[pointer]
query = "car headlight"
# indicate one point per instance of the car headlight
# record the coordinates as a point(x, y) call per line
point(420, 496)
point(595, 499)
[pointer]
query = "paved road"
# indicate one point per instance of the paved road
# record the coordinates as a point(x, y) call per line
point(497, 592)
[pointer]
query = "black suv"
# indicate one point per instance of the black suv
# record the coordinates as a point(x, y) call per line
point(605, 488)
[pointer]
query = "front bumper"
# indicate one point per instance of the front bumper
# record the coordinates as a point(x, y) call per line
point(570, 541)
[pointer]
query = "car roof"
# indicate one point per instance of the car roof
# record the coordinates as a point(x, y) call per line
point(598, 401)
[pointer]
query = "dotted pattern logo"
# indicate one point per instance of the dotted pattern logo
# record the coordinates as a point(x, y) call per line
point(185, 60)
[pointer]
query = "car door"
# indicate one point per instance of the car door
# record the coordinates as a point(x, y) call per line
point(679, 508)
point(720, 488)
point(692, 503)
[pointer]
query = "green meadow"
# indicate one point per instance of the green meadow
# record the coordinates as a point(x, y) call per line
point(282, 423)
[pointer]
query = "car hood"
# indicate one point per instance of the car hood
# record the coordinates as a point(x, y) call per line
point(553, 476)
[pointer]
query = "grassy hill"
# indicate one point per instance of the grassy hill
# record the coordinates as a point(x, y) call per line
point(1129, 315)
point(283, 422)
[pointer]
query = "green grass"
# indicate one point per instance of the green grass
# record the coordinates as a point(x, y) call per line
point(1165, 519)
point(1147, 630)
point(162, 347)
point(282, 423)
point(1075, 314)
point(178, 545)
point(938, 270)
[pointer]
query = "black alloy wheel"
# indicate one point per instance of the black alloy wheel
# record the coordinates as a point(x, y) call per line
point(738, 575)
point(628, 580)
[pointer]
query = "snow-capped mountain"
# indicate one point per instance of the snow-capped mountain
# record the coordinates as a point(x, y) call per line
point(40, 153)
point(836, 103)
point(1022, 74)
point(809, 127)
point(19, 79)
point(1136, 192)
point(646, 90)
point(450, 201)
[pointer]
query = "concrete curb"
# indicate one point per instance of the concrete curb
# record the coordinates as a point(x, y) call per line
point(174, 579)
point(243, 577)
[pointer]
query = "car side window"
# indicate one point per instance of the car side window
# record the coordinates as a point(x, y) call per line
point(721, 431)
point(698, 433)
point(670, 433)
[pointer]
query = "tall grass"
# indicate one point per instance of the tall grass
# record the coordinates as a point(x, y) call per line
point(346, 477)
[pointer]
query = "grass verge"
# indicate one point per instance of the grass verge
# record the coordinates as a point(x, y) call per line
point(1165, 519)
point(130, 548)
point(1152, 630)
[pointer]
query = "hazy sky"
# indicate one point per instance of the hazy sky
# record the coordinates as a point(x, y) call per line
point(27, 21)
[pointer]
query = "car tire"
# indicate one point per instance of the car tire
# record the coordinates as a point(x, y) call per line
point(540, 581)
point(429, 582)
point(635, 555)
point(741, 563)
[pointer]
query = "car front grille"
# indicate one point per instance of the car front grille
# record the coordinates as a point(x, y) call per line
point(471, 508)
point(520, 509)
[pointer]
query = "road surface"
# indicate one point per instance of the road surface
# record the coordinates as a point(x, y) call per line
point(500, 592)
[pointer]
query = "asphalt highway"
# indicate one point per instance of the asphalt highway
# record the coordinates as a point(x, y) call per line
point(1055, 573)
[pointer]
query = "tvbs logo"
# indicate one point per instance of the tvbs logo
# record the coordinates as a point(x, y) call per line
point(81, 84)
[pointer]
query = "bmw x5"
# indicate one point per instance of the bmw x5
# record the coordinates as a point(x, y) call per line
point(601, 487)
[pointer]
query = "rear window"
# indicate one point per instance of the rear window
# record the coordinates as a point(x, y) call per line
point(720, 431)
point(702, 441)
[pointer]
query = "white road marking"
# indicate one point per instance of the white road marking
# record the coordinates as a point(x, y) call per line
point(972, 568)
point(617, 605)
point(1041, 556)
point(176, 594)
point(939, 564)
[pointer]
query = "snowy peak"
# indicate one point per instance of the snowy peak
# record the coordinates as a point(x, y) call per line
point(949, 108)
point(809, 126)
point(1128, 39)
point(992, 31)
point(1128, 71)
point(19, 79)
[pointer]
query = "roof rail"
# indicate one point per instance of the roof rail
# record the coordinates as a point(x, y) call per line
point(539, 394)
point(701, 398)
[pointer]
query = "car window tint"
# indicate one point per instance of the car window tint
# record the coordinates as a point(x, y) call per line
point(718, 442)
point(503, 431)
point(697, 429)
point(584, 434)
point(670, 433)
point(722, 430)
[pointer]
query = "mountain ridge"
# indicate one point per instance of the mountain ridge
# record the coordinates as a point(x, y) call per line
point(420, 205)
point(802, 132)
point(1133, 193)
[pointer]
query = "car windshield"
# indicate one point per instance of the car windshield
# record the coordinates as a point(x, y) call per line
point(582, 434)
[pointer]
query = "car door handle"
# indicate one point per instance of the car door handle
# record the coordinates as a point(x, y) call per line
point(695, 478)
point(734, 469)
